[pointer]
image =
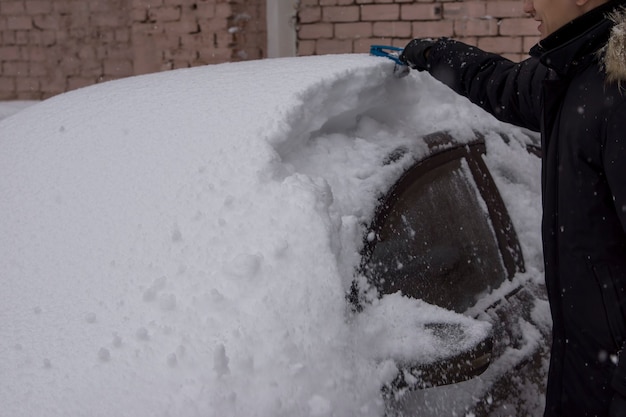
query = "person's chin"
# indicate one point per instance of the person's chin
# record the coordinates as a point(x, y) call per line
point(541, 30)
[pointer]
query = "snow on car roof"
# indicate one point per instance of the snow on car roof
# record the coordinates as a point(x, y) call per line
point(181, 243)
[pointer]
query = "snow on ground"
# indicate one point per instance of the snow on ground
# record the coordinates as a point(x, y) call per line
point(180, 244)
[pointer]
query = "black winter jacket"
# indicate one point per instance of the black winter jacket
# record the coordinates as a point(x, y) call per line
point(571, 90)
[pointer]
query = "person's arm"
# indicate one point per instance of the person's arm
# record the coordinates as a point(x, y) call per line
point(510, 91)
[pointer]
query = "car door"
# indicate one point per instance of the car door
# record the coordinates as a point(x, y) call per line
point(442, 234)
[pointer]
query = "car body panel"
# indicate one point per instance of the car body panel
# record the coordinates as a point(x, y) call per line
point(182, 243)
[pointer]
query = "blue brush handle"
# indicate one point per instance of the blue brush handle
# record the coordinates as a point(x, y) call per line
point(391, 52)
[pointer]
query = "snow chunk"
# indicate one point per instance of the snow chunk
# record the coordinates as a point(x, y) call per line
point(104, 355)
point(220, 361)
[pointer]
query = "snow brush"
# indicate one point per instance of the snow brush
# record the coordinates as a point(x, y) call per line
point(391, 52)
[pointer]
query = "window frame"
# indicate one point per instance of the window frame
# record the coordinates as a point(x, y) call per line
point(444, 149)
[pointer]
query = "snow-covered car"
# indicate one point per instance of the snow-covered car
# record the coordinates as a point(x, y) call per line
point(288, 237)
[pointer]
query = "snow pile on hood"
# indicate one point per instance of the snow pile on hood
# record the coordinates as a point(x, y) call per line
point(181, 243)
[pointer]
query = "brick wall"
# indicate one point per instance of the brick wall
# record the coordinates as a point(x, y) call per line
point(344, 26)
point(51, 46)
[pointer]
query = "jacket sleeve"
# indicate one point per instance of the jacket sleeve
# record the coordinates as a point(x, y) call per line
point(510, 91)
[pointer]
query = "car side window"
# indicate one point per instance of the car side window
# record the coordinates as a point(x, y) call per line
point(434, 238)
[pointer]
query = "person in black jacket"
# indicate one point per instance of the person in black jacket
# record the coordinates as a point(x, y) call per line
point(572, 89)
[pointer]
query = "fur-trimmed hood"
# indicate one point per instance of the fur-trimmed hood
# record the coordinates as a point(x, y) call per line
point(614, 54)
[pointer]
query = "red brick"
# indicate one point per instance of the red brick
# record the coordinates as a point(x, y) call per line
point(164, 14)
point(213, 25)
point(74, 83)
point(205, 10)
point(8, 7)
point(224, 40)
point(30, 95)
point(165, 40)
point(529, 42)
point(380, 12)
point(470, 40)
point(180, 64)
point(392, 29)
point(181, 54)
point(122, 35)
point(518, 27)
point(353, 30)
point(400, 43)
point(27, 84)
point(8, 37)
point(458, 10)
point(54, 83)
point(100, 6)
point(421, 12)
point(515, 57)
point(310, 15)
point(500, 44)
point(223, 10)
point(362, 46)
point(43, 22)
point(7, 84)
point(340, 14)
point(118, 67)
point(333, 46)
point(105, 35)
point(316, 31)
point(70, 7)
point(36, 54)
point(184, 26)
point(19, 23)
point(21, 37)
point(39, 6)
point(306, 3)
point(15, 68)
point(306, 47)
point(215, 55)
point(195, 40)
point(37, 69)
point(476, 27)
point(10, 53)
point(105, 20)
point(327, 2)
point(433, 29)
point(42, 37)
point(117, 51)
point(505, 8)
point(93, 69)
point(69, 65)
point(147, 3)
point(139, 15)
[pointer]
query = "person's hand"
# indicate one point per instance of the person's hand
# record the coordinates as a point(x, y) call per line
point(415, 53)
point(618, 406)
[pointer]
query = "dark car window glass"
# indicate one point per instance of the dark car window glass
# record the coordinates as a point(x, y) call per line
point(437, 242)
